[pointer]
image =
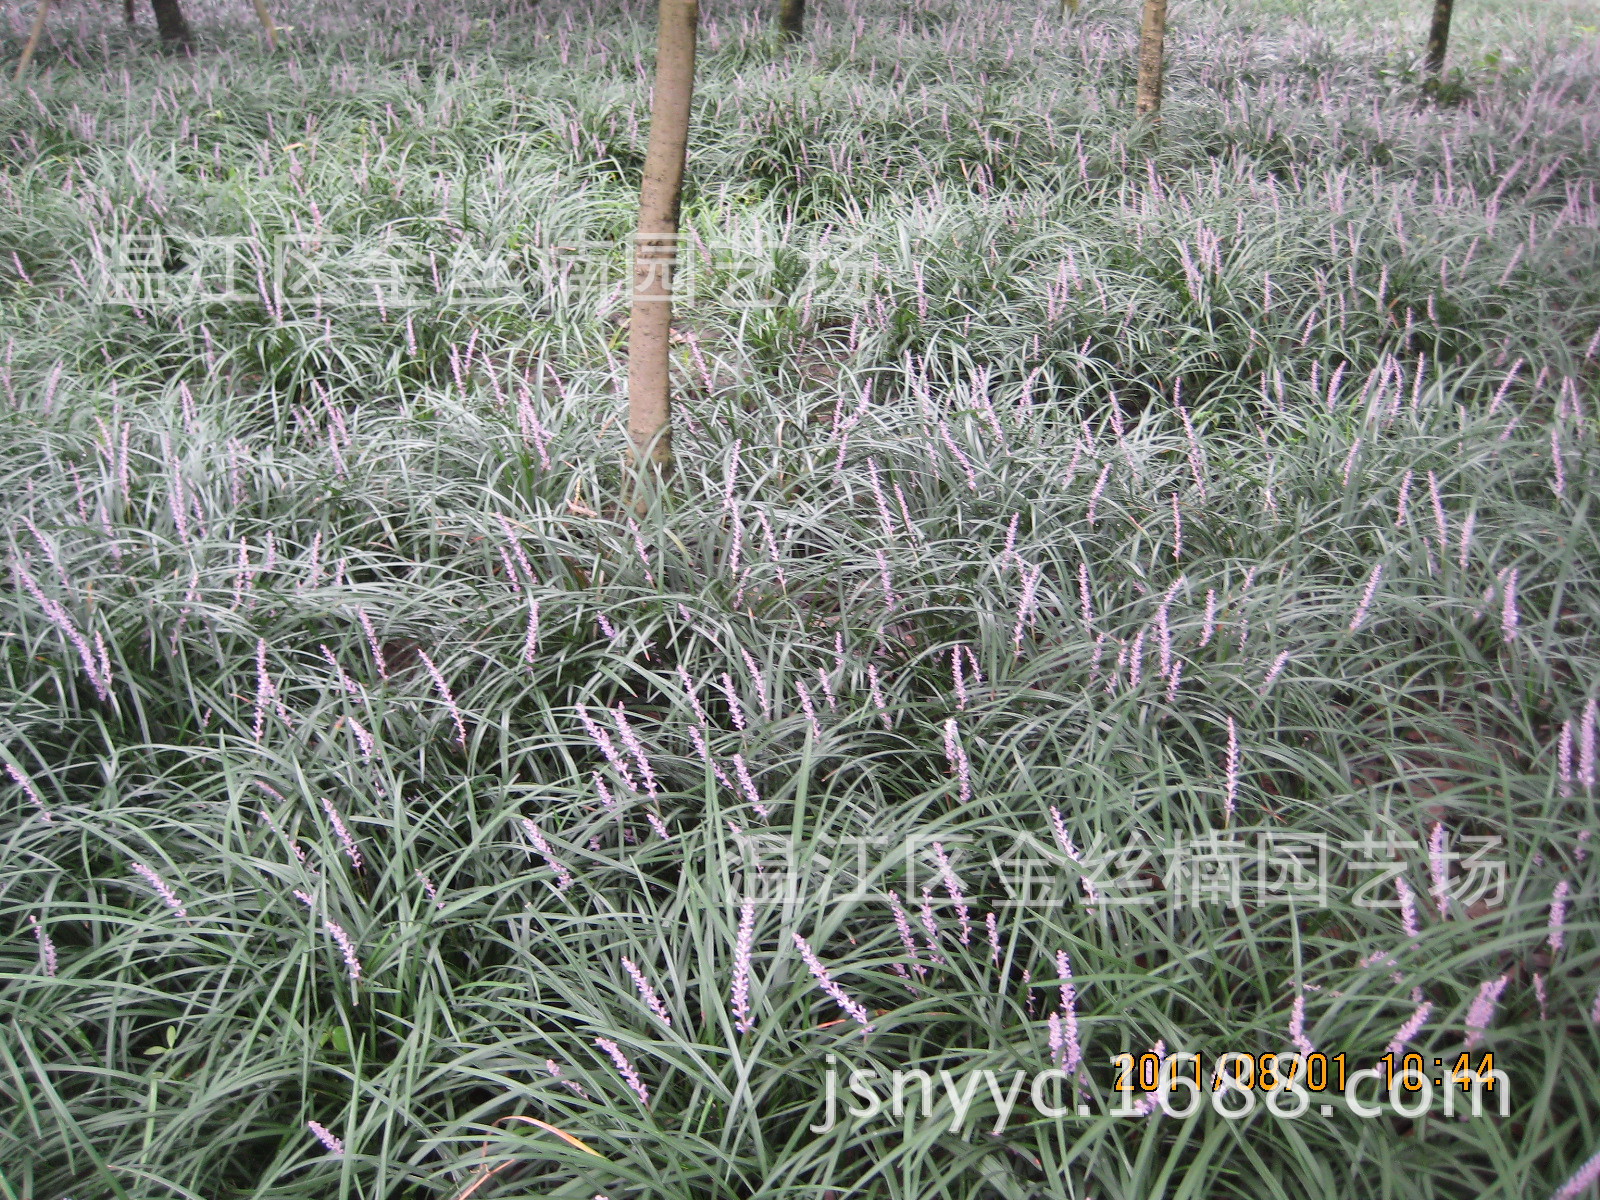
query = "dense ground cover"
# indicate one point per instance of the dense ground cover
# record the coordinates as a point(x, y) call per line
point(1089, 510)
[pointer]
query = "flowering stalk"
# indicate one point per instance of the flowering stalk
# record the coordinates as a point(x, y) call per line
point(1408, 908)
point(1584, 1178)
point(953, 887)
point(757, 678)
point(444, 692)
point(1297, 1027)
point(1366, 598)
point(1164, 628)
point(749, 787)
point(1587, 744)
point(1439, 868)
point(966, 465)
point(530, 644)
point(1564, 759)
point(1274, 671)
point(1094, 495)
point(636, 748)
point(827, 690)
point(825, 981)
point(1231, 793)
point(1558, 918)
point(345, 682)
point(1410, 1029)
point(348, 842)
point(266, 818)
point(264, 689)
point(931, 927)
point(427, 886)
point(692, 693)
point(740, 997)
point(646, 992)
point(373, 644)
point(735, 709)
point(1072, 1054)
point(47, 948)
point(58, 616)
point(554, 1069)
point(332, 1144)
point(958, 759)
point(877, 695)
point(1010, 549)
point(168, 896)
point(701, 748)
point(629, 1075)
point(1147, 1104)
point(810, 710)
point(1059, 828)
point(1438, 514)
point(1481, 1012)
point(889, 597)
point(28, 789)
point(352, 964)
point(902, 925)
point(603, 740)
point(1508, 606)
point(563, 878)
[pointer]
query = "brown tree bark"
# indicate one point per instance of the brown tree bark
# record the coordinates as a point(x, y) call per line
point(791, 19)
point(1152, 40)
point(655, 249)
point(1439, 35)
point(170, 24)
point(127, 11)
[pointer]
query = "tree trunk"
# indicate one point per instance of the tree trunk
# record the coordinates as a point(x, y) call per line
point(266, 24)
point(39, 15)
point(127, 11)
point(1152, 39)
point(791, 19)
point(174, 30)
point(655, 249)
point(1439, 35)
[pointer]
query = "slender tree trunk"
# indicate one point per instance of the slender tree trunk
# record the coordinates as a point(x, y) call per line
point(655, 250)
point(1152, 39)
point(1439, 35)
point(39, 14)
point(174, 30)
point(791, 19)
point(266, 24)
point(127, 11)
